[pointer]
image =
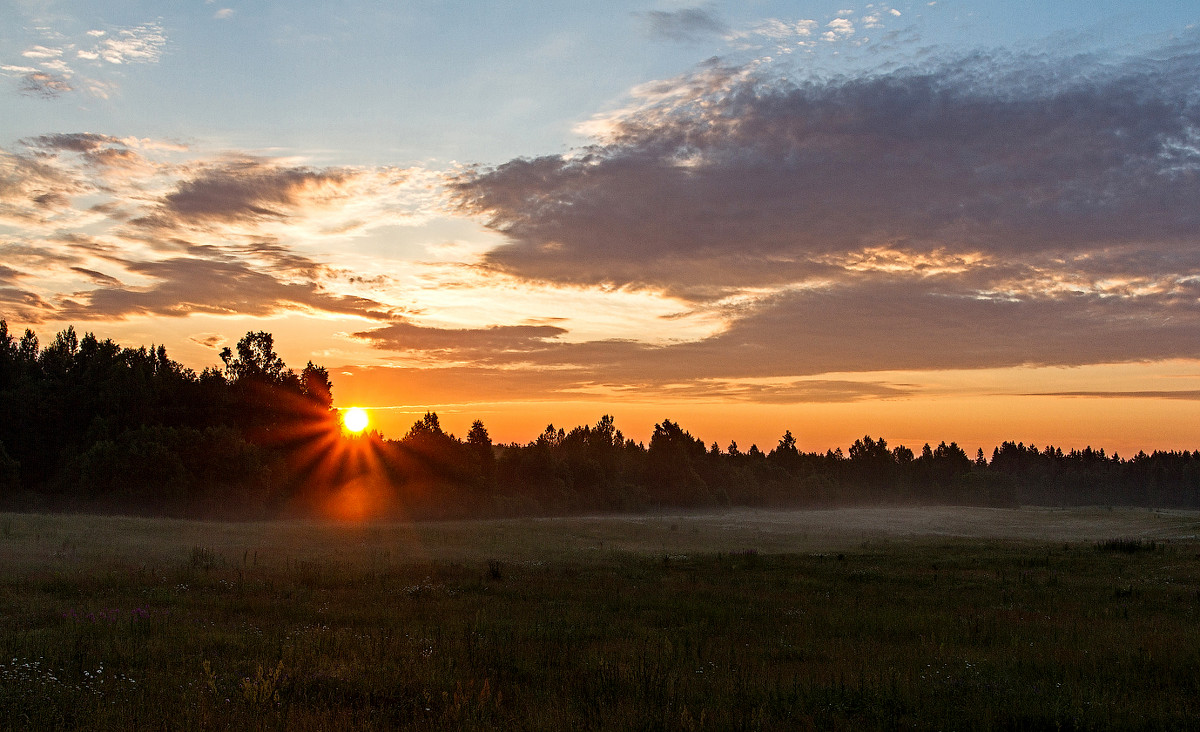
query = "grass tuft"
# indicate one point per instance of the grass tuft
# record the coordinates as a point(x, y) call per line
point(1127, 546)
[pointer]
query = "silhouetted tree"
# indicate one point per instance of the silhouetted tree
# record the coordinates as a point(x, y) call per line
point(316, 386)
point(85, 422)
point(872, 467)
point(479, 443)
point(671, 472)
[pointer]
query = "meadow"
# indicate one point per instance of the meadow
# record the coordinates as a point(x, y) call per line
point(950, 618)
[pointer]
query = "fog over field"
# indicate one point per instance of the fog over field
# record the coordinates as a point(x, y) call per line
point(66, 539)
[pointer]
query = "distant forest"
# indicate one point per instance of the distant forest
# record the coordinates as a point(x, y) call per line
point(88, 425)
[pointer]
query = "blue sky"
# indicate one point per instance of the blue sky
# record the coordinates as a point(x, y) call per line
point(396, 83)
point(856, 216)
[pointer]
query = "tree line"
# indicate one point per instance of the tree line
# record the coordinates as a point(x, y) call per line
point(86, 424)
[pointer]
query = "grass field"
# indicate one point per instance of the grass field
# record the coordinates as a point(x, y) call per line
point(854, 618)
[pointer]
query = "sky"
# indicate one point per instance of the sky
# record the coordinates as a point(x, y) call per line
point(962, 220)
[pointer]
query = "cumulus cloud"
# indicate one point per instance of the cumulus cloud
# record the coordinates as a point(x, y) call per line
point(839, 28)
point(980, 212)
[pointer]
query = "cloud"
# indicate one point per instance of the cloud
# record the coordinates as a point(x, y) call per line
point(467, 384)
point(462, 343)
point(916, 160)
point(981, 211)
point(839, 28)
point(53, 76)
point(8, 275)
point(82, 142)
point(40, 184)
point(882, 324)
point(685, 24)
point(208, 340)
point(41, 52)
point(247, 193)
point(223, 14)
point(142, 44)
point(45, 84)
point(143, 227)
point(250, 189)
point(873, 323)
point(97, 277)
point(184, 286)
point(23, 305)
point(783, 36)
point(105, 155)
point(34, 191)
point(1185, 394)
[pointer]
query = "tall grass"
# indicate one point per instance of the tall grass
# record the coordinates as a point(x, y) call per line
point(183, 633)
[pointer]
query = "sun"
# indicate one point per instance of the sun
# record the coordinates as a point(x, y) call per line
point(355, 419)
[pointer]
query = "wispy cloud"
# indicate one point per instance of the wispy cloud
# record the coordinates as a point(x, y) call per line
point(685, 24)
point(474, 384)
point(42, 53)
point(1185, 394)
point(60, 65)
point(45, 84)
point(143, 44)
point(189, 285)
point(249, 189)
point(125, 227)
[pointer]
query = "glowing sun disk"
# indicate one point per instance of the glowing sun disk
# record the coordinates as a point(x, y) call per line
point(355, 419)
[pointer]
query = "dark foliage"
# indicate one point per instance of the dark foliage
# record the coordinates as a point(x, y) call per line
point(87, 424)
